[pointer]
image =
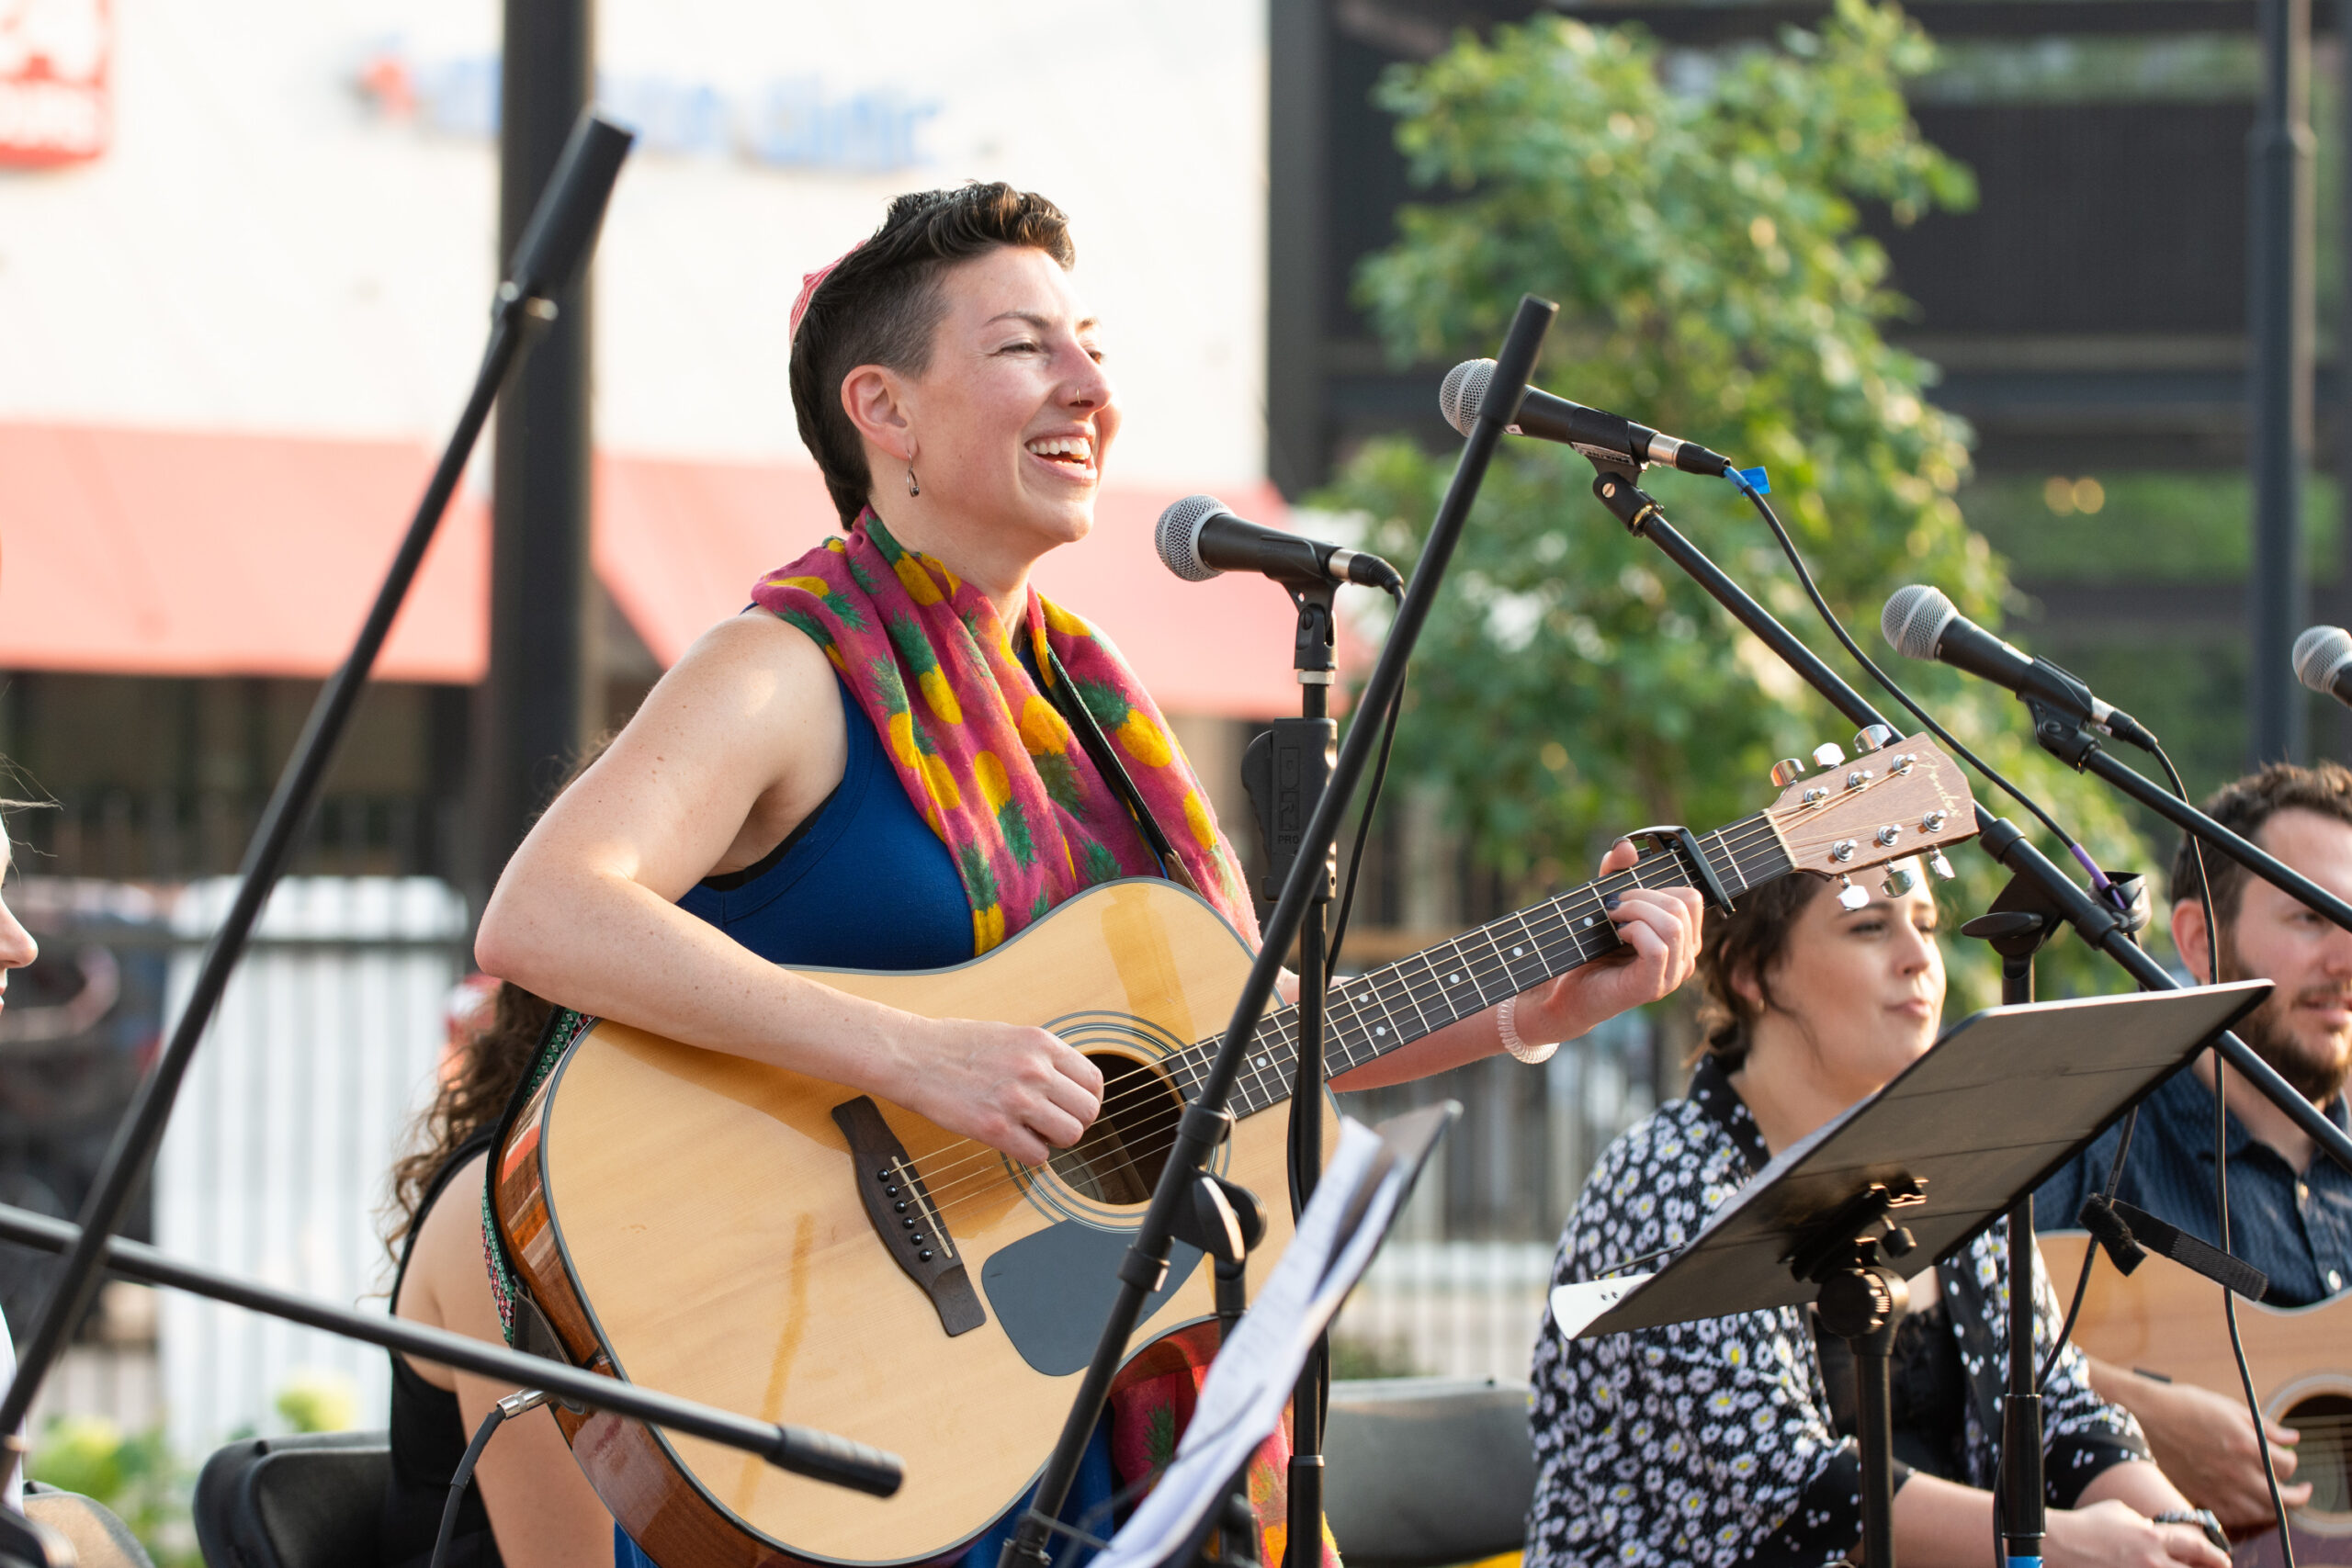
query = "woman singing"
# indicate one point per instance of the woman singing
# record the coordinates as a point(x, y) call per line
point(1730, 1441)
point(878, 765)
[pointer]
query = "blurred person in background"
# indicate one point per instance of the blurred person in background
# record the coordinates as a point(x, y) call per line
point(2291, 1210)
point(879, 766)
point(530, 1506)
point(17, 949)
point(1732, 1440)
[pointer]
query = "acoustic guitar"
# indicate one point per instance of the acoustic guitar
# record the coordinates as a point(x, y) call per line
point(2164, 1319)
point(791, 1250)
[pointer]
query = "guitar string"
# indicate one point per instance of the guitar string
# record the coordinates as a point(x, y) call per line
point(949, 1186)
point(952, 1184)
point(956, 1179)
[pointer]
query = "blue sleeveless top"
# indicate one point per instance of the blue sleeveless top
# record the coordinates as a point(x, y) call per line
point(863, 884)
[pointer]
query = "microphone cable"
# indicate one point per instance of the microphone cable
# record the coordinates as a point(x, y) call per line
point(1821, 606)
point(514, 1404)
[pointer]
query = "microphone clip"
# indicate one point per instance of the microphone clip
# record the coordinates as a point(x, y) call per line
point(1612, 481)
point(2061, 734)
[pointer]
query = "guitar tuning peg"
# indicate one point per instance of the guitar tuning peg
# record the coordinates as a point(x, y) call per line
point(1940, 867)
point(1898, 881)
point(1786, 772)
point(1851, 897)
point(1828, 755)
point(1871, 736)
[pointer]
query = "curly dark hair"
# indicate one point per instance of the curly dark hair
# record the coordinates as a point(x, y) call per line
point(881, 303)
point(475, 1096)
point(1747, 943)
point(471, 1099)
point(2243, 807)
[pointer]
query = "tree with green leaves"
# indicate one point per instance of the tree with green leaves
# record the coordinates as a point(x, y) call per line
point(1703, 236)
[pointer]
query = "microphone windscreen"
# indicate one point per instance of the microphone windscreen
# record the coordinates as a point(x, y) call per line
point(1179, 537)
point(1915, 618)
point(1464, 393)
point(2321, 655)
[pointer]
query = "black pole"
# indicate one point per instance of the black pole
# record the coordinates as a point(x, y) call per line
point(1205, 1121)
point(1312, 655)
point(2023, 1523)
point(553, 248)
point(2098, 925)
point(2341, 717)
point(541, 703)
point(1298, 114)
point(1875, 1431)
point(800, 1449)
point(1862, 1304)
point(2279, 325)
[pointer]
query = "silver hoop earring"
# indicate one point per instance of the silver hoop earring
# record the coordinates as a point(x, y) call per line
point(913, 486)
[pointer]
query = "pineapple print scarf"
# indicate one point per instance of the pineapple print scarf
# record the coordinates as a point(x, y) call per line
point(984, 754)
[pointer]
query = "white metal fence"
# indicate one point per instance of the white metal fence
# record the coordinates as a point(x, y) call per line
point(1459, 1288)
point(322, 1050)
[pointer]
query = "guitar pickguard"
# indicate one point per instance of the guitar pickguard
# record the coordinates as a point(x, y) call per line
point(1052, 1291)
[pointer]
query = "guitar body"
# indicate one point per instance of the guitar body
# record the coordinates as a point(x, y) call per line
point(2163, 1318)
point(693, 1222)
point(797, 1252)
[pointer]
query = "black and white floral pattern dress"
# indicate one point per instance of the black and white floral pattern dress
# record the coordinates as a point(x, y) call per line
point(1714, 1442)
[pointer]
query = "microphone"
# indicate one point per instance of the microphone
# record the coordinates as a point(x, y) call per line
point(2323, 662)
point(1198, 538)
point(1921, 623)
point(1594, 433)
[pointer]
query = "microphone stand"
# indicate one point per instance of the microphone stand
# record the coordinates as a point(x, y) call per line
point(800, 1449)
point(1286, 771)
point(2075, 745)
point(2100, 927)
point(1205, 1121)
point(553, 249)
point(2017, 927)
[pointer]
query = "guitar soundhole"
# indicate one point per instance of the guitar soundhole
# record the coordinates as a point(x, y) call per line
point(1119, 1159)
point(2325, 1422)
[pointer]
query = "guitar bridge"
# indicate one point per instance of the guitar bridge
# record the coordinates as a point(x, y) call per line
point(904, 1216)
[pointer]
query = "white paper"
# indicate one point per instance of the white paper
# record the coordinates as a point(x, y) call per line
point(1241, 1400)
point(1574, 1305)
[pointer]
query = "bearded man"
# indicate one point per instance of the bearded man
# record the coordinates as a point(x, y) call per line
point(2290, 1208)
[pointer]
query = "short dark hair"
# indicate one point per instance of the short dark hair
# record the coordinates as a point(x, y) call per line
point(881, 303)
point(2243, 807)
point(1747, 941)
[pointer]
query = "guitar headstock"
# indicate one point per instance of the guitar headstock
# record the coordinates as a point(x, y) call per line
point(1897, 797)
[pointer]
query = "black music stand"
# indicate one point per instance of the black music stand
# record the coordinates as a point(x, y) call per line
point(1996, 1106)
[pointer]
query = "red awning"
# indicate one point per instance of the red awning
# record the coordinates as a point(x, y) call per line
point(154, 552)
point(174, 553)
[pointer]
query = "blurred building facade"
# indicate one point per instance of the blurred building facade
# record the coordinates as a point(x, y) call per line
point(246, 259)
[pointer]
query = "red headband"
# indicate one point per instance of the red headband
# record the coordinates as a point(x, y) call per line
point(809, 285)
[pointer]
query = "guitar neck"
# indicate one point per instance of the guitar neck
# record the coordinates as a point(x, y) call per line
point(1371, 1014)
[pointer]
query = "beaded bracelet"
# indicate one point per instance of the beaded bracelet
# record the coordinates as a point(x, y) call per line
point(1505, 1025)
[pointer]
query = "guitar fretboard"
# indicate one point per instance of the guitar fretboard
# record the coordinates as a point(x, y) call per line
point(1375, 1012)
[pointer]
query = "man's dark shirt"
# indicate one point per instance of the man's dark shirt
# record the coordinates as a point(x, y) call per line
point(2296, 1226)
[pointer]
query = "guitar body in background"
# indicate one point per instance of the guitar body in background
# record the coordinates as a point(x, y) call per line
point(2162, 1318)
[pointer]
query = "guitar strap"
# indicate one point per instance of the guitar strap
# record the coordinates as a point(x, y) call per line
point(1074, 710)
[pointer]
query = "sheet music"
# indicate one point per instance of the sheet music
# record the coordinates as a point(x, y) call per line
point(1241, 1400)
point(1575, 1304)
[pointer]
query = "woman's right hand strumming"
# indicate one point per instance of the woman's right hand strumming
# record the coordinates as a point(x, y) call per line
point(1018, 1090)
